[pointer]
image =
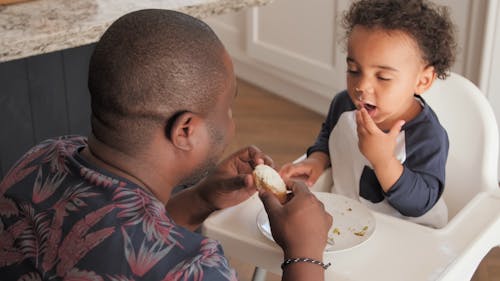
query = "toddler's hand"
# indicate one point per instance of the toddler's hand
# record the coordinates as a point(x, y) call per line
point(378, 147)
point(309, 169)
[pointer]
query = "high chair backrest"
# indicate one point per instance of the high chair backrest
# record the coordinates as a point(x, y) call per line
point(468, 118)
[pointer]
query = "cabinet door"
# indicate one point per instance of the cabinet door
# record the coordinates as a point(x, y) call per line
point(300, 37)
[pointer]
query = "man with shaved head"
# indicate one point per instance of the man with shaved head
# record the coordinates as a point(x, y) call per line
point(101, 207)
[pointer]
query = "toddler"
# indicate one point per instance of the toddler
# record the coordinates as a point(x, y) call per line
point(384, 143)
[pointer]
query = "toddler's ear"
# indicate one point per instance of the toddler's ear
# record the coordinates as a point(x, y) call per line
point(427, 77)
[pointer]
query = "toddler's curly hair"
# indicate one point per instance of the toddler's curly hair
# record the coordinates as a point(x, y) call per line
point(428, 24)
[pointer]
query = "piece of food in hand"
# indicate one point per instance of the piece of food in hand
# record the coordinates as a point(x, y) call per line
point(267, 178)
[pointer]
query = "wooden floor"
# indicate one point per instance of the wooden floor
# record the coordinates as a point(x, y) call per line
point(280, 128)
point(284, 130)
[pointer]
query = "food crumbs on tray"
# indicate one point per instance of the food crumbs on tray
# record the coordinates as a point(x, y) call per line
point(336, 231)
point(350, 209)
point(362, 232)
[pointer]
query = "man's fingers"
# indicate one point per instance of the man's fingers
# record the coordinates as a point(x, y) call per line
point(270, 202)
point(255, 156)
point(237, 182)
point(297, 187)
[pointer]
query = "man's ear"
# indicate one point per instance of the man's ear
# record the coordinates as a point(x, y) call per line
point(182, 131)
point(425, 80)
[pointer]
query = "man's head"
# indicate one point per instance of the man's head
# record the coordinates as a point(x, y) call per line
point(161, 69)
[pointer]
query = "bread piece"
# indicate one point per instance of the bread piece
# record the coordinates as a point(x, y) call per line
point(266, 177)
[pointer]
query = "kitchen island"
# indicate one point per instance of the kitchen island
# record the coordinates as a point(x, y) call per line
point(45, 46)
point(42, 26)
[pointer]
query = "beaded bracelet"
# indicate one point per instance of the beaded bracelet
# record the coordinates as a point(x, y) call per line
point(294, 260)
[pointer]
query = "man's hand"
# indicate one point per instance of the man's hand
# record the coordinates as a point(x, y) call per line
point(232, 182)
point(301, 225)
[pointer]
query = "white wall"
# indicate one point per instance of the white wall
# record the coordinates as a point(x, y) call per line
point(490, 66)
point(293, 48)
point(489, 79)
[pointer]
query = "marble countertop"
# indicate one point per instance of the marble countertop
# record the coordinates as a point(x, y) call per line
point(43, 26)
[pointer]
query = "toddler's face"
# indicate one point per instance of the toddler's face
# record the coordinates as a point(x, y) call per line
point(384, 69)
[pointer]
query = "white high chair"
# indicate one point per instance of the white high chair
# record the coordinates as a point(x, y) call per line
point(471, 175)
